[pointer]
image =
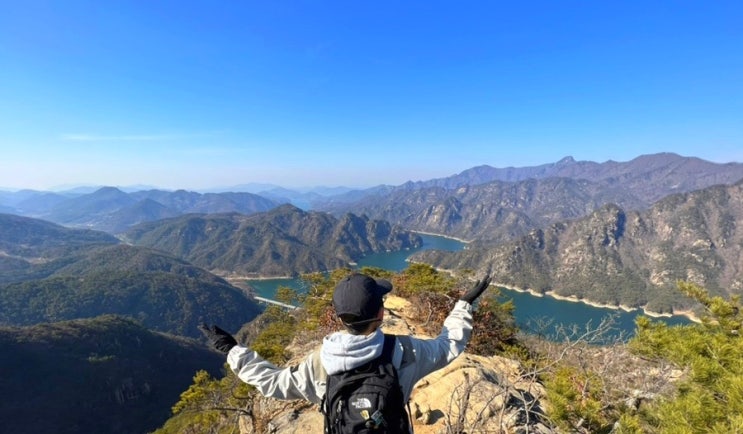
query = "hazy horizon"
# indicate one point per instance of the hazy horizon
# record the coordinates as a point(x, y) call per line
point(255, 187)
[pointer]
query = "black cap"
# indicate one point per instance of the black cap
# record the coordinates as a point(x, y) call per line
point(360, 295)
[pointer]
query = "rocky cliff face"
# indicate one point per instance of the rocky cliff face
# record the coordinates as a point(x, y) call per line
point(496, 212)
point(619, 257)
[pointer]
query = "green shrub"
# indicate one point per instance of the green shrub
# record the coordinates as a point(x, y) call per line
point(710, 398)
point(209, 405)
point(575, 402)
point(271, 343)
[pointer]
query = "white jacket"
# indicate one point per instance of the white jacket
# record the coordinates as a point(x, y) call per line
point(414, 359)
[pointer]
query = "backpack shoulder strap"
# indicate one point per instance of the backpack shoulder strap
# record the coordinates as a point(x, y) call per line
point(385, 360)
point(388, 349)
point(408, 352)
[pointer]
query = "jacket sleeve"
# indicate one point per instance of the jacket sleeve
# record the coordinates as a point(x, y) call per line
point(303, 381)
point(433, 354)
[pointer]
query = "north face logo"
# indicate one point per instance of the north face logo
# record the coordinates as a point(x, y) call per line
point(361, 403)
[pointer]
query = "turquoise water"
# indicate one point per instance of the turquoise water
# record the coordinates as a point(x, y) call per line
point(393, 261)
point(530, 313)
point(397, 261)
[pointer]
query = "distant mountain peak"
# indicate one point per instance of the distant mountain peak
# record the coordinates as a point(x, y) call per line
point(108, 189)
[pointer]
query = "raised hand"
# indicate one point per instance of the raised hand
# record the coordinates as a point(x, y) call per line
point(477, 290)
point(218, 338)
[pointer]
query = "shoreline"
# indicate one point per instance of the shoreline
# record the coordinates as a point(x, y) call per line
point(688, 314)
point(573, 299)
point(441, 235)
point(262, 277)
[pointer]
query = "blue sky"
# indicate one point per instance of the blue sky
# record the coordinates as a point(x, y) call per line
point(357, 93)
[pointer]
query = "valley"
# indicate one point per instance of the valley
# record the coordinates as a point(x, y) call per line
point(569, 243)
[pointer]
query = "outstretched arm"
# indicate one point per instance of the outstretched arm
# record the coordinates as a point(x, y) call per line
point(433, 354)
point(297, 382)
point(303, 381)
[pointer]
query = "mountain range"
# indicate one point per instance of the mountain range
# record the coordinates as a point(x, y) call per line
point(489, 204)
point(245, 234)
point(285, 241)
point(614, 233)
point(479, 203)
point(112, 210)
point(50, 273)
point(616, 256)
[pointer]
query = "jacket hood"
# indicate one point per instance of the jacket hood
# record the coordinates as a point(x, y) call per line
point(342, 351)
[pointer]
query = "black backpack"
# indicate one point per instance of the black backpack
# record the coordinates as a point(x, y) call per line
point(367, 399)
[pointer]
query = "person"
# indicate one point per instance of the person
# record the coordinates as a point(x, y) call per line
point(358, 300)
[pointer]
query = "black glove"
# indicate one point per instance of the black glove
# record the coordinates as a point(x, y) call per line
point(480, 286)
point(218, 338)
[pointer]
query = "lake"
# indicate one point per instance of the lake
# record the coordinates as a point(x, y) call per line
point(529, 310)
point(392, 261)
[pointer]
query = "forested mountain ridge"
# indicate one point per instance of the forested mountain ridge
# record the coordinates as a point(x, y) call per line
point(112, 210)
point(174, 301)
point(52, 273)
point(34, 239)
point(187, 202)
point(620, 257)
point(281, 242)
point(106, 374)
